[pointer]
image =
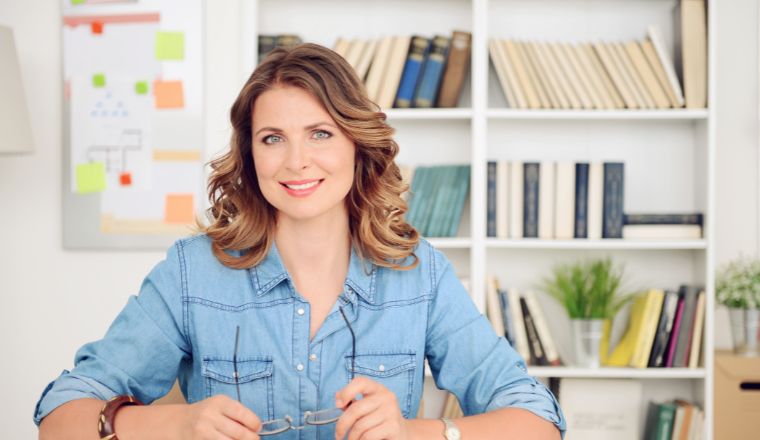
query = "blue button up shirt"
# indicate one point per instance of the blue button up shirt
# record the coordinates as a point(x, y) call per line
point(182, 326)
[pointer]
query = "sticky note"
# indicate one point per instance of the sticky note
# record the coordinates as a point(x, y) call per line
point(125, 179)
point(170, 45)
point(141, 87)
point(91, 177)
point(77, 2)
point(168, 94)
point(179, 209)
point(99, 80)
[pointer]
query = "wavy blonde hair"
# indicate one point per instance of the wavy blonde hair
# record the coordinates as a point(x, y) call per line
point(243, 220)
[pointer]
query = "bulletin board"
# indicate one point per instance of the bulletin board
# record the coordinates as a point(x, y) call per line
point(132, 122)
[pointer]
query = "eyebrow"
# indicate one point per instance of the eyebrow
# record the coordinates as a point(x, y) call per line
point(308, 127)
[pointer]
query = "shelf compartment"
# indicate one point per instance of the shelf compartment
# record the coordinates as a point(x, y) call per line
point(605, 244)
point(624, 373)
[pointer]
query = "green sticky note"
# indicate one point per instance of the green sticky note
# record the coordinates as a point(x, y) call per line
point(170, 45)
point(99, 80)
point(91, 177)
point(141, 87)
point(77, 2)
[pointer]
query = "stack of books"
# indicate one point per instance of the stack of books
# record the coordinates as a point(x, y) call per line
point(675, 420)
point(437, 199)
point(665, 329)
point(566, 200)
point(267, 43)
point(410, 71)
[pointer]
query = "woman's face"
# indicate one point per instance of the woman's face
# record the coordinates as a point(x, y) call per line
point(304, 163)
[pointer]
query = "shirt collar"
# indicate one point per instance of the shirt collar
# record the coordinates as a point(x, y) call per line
point(271, 272)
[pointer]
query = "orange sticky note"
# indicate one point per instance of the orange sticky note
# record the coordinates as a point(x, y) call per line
point(125, 178)
point(168, 94)
point(96, 27)
point(179, 209)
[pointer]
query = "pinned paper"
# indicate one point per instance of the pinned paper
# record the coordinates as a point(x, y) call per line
point(96, 27)
point(179, 209)
point(99, 80)
point(91, 177)
point(168, 94)
point(141, 87)
point(125, 179)
point(170, 46)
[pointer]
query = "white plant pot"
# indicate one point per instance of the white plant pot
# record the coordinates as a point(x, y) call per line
point(745, 330)
point(587, 334)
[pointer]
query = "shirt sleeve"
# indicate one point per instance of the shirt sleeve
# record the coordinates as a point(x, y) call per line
point(140, 353)
point(467, 358)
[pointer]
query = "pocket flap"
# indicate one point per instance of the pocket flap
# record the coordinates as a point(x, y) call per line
point(382, 365)
point(249, 368)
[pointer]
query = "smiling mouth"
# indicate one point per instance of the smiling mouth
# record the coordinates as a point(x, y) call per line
point(303, 186)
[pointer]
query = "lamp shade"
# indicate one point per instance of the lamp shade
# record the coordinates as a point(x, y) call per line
point(15, 131)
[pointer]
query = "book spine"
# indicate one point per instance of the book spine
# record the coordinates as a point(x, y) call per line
point(536, 349)
point(581, 200)
point(531, 175)
point(684, 333)
point(521, 337)
point(674, 333)
point(456, 69)
point(665, 421)
point(491, 200)
point(427, 90)
point(509, 328)
point(417, 197)
point(613, 200)
point(663, 219)
point(664, 326)
point(463, 189)
point(412, 68)
point(648, 328)
point(542, 330)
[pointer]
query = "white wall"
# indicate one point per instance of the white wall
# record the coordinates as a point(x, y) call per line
point(56, 300)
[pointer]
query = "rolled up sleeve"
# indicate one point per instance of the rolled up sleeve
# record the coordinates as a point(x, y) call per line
point(467, 358)
point(140, 353)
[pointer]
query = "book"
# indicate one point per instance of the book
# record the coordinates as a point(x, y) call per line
point(580, 227)
point(592, 76)
point(521, 336)
point(430, 81)
point(684, 332)
point(546, 62)
point(460, 198)
point(546, 197)
point(456, 69)
point(531, 176)
point(516, 205)
point(611, 66)
point(502, 199)
point(614, 192)
point(634, 80)
point(697, 331)
point(418, 51)
point(673, 341)
point(583, 76)
point(530, 68)
point(563, 80)
point(340, 47)
point(647, 75)
point(609, 86)
point(537, 353)
point(633, 339)
point(664, 327)
point(362, 67)
point(663, 219)
point(601, 409)
point(542, 75)
point(542, 329)
point(392, 78)
point(266, 44)
point(659, 421)
point(378, 68)
point(493, 307)
point(666, 61)
point(651, 309)
point(442, 205)
point(564, 196)
point(499, 65)
point(595, 212)
point(694, 52)
point(662, 232)
point(572, 77)
point(509, 326)
point(523, 77)
point(491, 199)
point(355, 50)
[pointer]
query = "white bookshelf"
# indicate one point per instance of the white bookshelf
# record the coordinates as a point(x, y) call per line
point(669, 154)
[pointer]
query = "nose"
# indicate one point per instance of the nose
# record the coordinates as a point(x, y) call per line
point(298, 156)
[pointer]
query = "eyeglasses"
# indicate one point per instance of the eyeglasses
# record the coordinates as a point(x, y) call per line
point(316, 418)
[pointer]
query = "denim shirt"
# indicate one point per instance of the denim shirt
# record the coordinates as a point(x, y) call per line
point(182, 326)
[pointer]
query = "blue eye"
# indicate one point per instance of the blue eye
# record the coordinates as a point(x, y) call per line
point(322, 134)
point(272, 138)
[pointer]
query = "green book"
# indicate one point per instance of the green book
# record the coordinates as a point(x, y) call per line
point(431, 193)
point(665, 421)
point(415, 198)
point(462, 190)
point(442, 203)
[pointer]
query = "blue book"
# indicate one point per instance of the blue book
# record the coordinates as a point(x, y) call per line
point(410, 77)
point(581, 200)
point(463, 189)
point(491, 200)
point(531, 176)
point(612, 207)
point(508, 322)
point(663, 219)
point(430, 83)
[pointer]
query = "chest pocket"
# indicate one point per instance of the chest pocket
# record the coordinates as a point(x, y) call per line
point(395, 371)
point(255, 382)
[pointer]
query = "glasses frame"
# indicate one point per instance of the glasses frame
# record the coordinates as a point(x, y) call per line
point(308, 414)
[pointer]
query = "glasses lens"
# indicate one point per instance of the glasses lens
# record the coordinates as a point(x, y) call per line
point(274, 427)
point(324, 417)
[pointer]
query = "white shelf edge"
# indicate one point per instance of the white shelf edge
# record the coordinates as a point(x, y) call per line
point(598, 114)
point(632, 373)
point(397, 114)
point(450, 243)
point(618, 244)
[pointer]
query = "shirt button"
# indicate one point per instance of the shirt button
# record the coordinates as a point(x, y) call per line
point(381, 367)
point(299, 367)
point(300, 311)
point(313, 357)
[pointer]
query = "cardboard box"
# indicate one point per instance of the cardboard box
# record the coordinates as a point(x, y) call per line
point(737, 396)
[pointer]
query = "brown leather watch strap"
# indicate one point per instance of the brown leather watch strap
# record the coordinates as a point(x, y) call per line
point(107, 416)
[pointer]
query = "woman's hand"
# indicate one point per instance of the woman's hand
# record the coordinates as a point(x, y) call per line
point(219, 418)
point(376, 416)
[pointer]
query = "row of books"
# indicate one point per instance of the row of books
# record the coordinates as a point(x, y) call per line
point(410, 71)
point(437, 199)
point(665, 329)
point(518, 317)
point(674, 420)
point(267, 43)
point(566, 200)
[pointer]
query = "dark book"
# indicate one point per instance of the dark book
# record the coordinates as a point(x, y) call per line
point(612, 217)
point(664, 327)
point(681, 359)
point(673, 339)
point(659, 421)
point(457, 66)
point(537, 355)
point(491, 200)
point(581, 200)
point(432, 74)
point(418, 51)
point(266, 45)
point(663, 219)
point(509, 328)
point(531, 177)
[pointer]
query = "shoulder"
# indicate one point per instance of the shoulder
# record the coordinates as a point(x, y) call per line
point(421, 281)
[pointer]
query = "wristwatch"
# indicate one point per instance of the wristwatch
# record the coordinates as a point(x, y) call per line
point(451, 432)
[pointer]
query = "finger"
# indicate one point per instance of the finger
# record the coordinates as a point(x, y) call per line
point(238, 412)
point(364, 424)
point(360, 385)
point(379, 432)
point(357, 410)
point(234, 430)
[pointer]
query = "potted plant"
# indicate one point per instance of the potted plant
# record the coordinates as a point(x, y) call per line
point(738, 287)
point(591, 294)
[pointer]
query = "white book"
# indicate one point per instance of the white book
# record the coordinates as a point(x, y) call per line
point(595, 200)
point(546, 201)
point(696, 335)
point(493, 307)
point(396, 60)
point(355, 50)
point(521, 337)
point(601, 409)
point(502, 199)
point(678, 420)
point(379, 66)
point(564, 196)
point(501, 72)
point(542, 328)
point(366, 59)
point(653, 32)
point(341, 46)
point(516, 206)
point(696, 416)
point(662, 232)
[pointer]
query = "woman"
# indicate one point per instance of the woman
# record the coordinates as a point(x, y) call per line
point(308, 307)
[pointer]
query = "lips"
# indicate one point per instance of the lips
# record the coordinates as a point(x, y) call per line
point(301, 188)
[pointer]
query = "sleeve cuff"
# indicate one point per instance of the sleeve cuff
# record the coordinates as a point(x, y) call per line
point(67, 387)
point(533, 397)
